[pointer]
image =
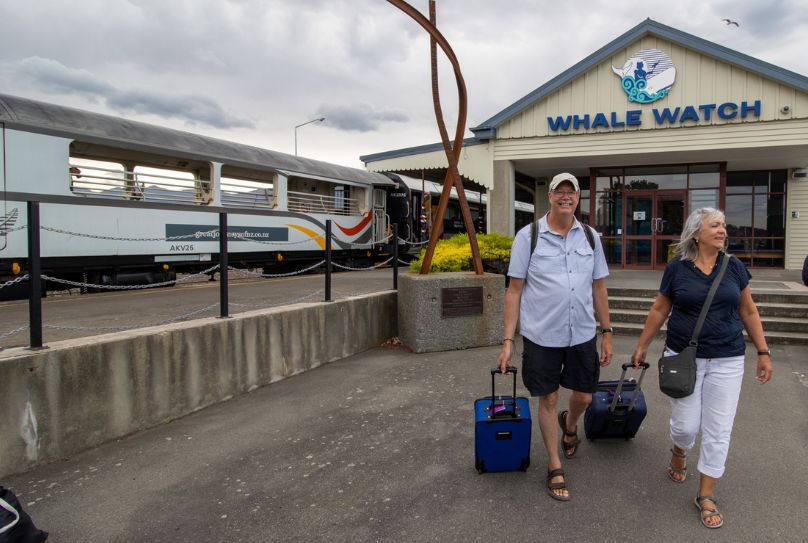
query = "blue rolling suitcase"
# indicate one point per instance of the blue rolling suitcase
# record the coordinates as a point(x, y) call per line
point(617, 409)
point(502, 428)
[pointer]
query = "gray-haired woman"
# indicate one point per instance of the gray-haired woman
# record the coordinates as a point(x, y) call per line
point(710, 410)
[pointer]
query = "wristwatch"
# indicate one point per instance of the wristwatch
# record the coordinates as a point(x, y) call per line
point(767, 352)
point(608, 330)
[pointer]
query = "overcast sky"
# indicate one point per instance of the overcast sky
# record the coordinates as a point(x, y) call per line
point(250, 70)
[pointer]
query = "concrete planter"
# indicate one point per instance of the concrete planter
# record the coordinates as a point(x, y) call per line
point(447, 311)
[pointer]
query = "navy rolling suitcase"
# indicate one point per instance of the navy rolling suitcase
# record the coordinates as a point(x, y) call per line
point(617, 409)
point(502, 428)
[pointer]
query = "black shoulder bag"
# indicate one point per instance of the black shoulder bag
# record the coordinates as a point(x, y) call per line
point(677, 373)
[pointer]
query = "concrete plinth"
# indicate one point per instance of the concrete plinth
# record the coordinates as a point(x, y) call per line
point(422, 305)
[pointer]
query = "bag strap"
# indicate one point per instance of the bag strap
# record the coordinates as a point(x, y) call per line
point(709, 300)
point(534, 235)
point(8, 507)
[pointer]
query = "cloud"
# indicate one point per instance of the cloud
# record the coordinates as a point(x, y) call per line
point(54, 77)
point(359, 117)
point(189, 107)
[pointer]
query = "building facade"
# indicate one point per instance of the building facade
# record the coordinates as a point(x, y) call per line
point(654, 124)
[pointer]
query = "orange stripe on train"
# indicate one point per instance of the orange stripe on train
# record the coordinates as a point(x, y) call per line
point(311, 233)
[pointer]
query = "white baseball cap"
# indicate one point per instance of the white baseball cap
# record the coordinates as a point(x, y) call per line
point(560, 178)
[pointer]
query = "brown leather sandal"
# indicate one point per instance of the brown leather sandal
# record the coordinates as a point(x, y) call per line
point(557, 486)
point(570, 447)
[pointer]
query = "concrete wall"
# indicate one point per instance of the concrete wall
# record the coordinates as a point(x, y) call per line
point(422, 325)
point(79, 393)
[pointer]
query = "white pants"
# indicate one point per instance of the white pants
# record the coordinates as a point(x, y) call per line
point(710, 409)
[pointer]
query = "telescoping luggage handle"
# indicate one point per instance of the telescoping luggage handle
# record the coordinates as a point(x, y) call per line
point(512, 413)
point(626, 366)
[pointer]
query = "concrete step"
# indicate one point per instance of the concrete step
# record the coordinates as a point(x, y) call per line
point(772, 337)
point(761, 297)
point(793, 310)
point(766, 309)
point(625, 302)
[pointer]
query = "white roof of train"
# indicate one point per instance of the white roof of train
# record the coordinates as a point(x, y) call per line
point(471, 196)
point(41, 117)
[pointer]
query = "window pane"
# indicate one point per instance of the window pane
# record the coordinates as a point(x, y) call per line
point(583, 209)
point(704, 168)
point(613, 182)
point(611, 249)
point(660, 177)
point(638, 251)
point(665, 250)
point(703, 198)
point(699, 180)
point(743, 182)
point(583, 183)
point(742, 249)
point(704, 175)
point(639, 216)
point(777, 181)
point(739, 216)
point(770, 215)
point(609, 213)
point(769, 253)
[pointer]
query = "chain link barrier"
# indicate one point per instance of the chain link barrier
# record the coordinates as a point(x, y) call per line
point(185, 279)
point(4, 231)
point(79, 284)
point(13, 332)
point(115, 238)
point(376, 266)
point(195, 235)
point(270, 275)
point(285, 302)
point(414, 243)
point(19, 279)
point(132, 327)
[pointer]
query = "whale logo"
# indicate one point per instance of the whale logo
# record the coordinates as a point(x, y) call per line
point(647, 76)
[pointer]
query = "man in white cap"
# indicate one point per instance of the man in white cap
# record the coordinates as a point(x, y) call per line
point(557, 289)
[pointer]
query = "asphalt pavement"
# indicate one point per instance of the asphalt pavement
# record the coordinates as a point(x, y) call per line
point(380, 447)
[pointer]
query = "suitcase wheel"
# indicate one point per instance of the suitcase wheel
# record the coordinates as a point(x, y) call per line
point(480, 465)
point(525, 464)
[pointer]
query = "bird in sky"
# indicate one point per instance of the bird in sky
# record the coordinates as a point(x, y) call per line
point(729, 22)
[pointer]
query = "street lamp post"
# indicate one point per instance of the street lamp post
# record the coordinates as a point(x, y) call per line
point(319, 120)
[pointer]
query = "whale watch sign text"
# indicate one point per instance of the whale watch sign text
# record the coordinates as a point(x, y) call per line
point(645, 78)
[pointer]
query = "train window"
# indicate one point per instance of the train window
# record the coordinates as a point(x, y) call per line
point(104, 179)
point(248, 193)
point(175, 186)
point(316, 196)
point(96, 177)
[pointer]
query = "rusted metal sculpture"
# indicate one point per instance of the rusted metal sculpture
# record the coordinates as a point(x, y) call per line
point(452, 152)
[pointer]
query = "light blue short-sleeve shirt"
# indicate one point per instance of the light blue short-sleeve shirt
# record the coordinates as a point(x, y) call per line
point(556, 309)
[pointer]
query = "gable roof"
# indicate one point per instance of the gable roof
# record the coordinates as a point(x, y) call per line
point(487, 129)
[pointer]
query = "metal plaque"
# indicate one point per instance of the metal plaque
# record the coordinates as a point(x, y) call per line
point(461, 301)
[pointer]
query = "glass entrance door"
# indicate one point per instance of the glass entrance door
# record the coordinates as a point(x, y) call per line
point(654, 221)
point(670, 218)
point(639, 233)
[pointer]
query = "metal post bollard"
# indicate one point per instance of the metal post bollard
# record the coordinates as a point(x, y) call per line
point(328, 260)
point(395, 256)
point(223, 302)
point(35, 278)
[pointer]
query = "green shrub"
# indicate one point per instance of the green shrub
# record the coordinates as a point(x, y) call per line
point(454, 254)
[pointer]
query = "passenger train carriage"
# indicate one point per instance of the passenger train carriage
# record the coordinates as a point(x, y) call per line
point(277, 204)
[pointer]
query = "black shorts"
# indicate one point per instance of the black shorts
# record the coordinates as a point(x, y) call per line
point(575, 368)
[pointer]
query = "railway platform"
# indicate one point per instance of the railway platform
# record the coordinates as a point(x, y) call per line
point(379, 447)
